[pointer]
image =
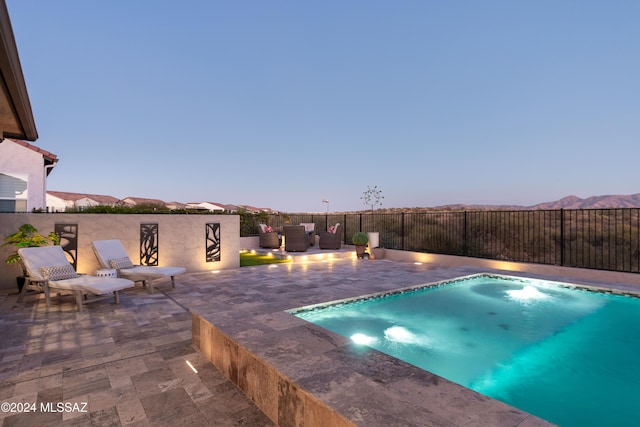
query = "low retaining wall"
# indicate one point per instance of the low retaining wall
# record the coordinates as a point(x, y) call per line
point(459, 261)
point(278, 396)
point(196, 242)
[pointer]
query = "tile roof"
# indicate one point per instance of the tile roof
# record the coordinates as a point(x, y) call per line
point(139, 200)
point(46, 154)
point(77, 196)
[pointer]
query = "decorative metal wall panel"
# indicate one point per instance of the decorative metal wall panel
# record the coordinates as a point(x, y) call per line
point(212, 242)
point(149, 244)
point(68, 235)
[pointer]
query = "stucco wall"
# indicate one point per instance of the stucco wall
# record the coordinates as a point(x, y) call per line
point(181, 239)
point(16, 159)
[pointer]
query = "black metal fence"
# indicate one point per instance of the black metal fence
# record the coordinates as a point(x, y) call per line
point(603, 239)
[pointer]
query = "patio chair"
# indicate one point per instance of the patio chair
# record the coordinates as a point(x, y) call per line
point(111, 254)
point(331, 239)
point(310, 228)
point(49, 271)
point(296, 238)
point(268, 239)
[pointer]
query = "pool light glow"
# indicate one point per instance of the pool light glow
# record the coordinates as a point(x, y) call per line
point(527, 293)
point(363, 339)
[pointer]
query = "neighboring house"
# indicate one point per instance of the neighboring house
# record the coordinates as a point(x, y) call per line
point(133, 201)
point(58, 201)
point(176, 205)
point(23, 175)
point(208, 206)
point(255, 210)
point(230, 208)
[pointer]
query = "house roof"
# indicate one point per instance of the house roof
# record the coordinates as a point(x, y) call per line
point(220, 205)
point(77, 196)
point(140, 200)
point(49, 158)
point(16, 116)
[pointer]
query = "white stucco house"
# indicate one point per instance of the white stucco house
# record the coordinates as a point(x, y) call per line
point(133, 201)
point(60, 201)
point(23, 176)
point(209, 206)
point(23, 167)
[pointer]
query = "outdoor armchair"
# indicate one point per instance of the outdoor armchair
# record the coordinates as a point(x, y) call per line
point(49, 270)
point(268, 239)
point(111, 254)
point(331, 239)
point(296, 238)
point(310, 228)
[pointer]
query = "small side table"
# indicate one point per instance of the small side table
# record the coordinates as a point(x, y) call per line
point(107, 272)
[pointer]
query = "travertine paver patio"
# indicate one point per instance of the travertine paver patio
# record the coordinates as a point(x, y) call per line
point(127, 362)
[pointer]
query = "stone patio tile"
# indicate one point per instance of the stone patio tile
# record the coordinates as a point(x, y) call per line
point(171, 408)
point(131, 412)
point(128, 361)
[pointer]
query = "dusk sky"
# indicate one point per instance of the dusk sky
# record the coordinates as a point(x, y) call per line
point(282, 104)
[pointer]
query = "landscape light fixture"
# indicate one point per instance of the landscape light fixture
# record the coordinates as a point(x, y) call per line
point(327, 202)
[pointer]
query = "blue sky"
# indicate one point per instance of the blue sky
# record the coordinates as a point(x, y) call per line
point(282, 104)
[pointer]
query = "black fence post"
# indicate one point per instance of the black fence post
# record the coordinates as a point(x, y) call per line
point(465, 235)
point(562, 237)
point(345, 228)
point(402, 245)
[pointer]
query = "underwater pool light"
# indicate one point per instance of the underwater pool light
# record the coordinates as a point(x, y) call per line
point(363, 339)
point(403, 335)
point(527, 293)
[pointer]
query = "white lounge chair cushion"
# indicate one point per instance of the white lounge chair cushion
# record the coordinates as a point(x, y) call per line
point(109, 250)
point(36, 259)
point(142, 272)
point(58, 272)
point(121, 263)
point(92, 284)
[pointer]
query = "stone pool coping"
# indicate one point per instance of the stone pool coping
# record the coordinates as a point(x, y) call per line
point(300, 374)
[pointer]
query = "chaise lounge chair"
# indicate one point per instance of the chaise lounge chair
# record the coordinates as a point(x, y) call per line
point(111, 254)
point(49, 270)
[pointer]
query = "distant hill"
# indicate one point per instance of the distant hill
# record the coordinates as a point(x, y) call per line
point(569, 202)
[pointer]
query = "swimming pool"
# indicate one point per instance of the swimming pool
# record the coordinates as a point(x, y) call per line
point(559, 352)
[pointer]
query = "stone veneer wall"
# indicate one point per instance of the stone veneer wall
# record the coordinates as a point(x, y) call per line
point(181, 239)
point(279, 397)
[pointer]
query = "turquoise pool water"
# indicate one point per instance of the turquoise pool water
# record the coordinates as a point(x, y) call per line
point(567, 355)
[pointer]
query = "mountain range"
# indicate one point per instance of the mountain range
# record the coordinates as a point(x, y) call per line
point(569, 202)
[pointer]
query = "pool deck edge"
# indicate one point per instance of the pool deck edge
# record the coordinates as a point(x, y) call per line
point(298, 373)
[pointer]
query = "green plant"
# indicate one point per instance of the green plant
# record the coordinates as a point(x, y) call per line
point(360, 238)
point(27, 236)
point(248, 259)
